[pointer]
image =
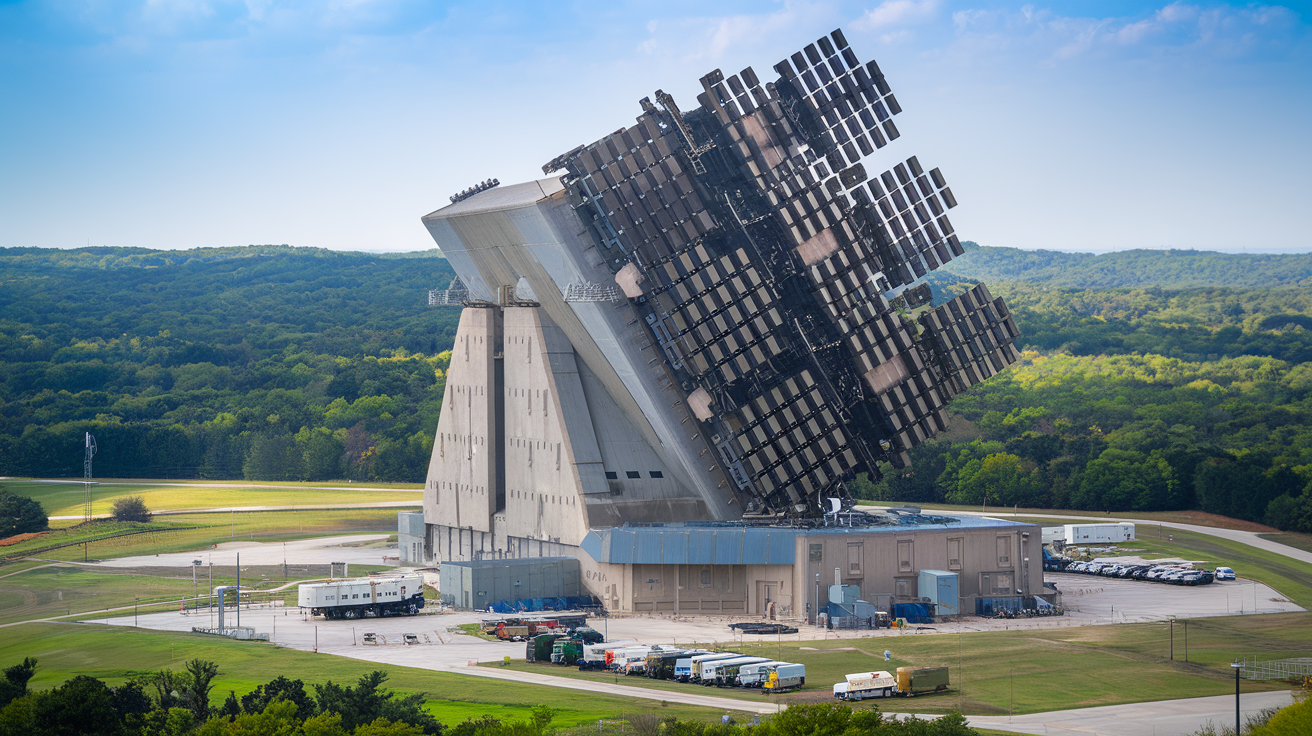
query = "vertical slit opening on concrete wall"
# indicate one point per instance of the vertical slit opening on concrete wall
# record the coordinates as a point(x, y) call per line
point(499, 419)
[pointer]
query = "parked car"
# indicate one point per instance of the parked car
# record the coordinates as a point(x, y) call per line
point(1224, 573)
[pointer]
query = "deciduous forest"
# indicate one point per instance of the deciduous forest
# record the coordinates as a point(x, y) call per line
point(264, 362)
point(1150, 380)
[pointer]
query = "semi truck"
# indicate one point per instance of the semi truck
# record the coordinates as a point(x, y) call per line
point(787, 676)
point(396, 595)
point(862, 685)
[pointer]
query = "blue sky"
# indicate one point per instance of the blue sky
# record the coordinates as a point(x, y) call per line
point(1070, 125)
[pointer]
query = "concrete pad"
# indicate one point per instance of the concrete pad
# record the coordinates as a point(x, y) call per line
point(319, 551)
point(1158, 718)
point(1096, 599)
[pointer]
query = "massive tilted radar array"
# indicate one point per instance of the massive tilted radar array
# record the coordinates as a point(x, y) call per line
point(775, 262)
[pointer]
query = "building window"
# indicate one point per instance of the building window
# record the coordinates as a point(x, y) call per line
point(954, 553)
point(905, 555)
point(817, 552)
point(855, 552)
point(706, 577)
point(632, 474)
point(1004, 551)
point(612, 475)
point(657, 474)
point(902, 589)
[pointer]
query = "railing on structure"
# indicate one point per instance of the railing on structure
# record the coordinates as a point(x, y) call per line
point(1276, 669)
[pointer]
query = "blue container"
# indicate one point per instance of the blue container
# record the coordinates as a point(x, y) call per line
point(940, 588)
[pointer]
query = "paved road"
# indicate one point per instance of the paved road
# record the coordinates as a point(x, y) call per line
point(1160, 718)
point(1235, 535)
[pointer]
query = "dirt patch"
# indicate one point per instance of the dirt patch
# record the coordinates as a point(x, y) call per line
point(21, 538)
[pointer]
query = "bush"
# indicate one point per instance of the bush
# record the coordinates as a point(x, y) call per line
point(130, 508)
point(20, 515)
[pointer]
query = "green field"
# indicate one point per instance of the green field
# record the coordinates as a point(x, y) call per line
point(66, 498)
point(1050, 669)
point(199, 531)
point(114, 655)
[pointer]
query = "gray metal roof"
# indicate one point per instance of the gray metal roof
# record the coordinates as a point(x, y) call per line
point(691, 545)
point(711, 543)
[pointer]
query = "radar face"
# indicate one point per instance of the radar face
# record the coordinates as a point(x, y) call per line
point(772, 246)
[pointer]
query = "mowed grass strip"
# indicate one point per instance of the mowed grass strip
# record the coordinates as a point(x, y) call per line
point(1047, 669)
point(117, 654)
point(67, 498)
point(199, 531)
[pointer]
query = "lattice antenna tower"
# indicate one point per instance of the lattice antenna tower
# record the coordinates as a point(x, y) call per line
point(86, 476)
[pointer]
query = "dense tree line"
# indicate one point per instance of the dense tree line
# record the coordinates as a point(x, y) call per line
point(1180, 269)
point(1125, 433)
point(265, 362)
point(168, 703)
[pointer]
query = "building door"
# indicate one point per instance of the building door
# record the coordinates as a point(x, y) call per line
point(765, 593)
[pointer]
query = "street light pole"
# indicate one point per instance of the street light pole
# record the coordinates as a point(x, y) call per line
point(134, 611)
point(1237, 666)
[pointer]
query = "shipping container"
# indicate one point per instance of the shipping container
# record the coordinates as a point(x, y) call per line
point(915, 680)
point(940, 588)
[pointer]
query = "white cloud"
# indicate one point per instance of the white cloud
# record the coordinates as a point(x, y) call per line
point(897, 13)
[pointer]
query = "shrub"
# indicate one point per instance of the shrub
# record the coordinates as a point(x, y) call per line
point(131, 508)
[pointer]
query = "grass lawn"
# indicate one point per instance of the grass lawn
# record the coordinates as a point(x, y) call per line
point(1293, 539)
point(198, 531)
point(65, 650)
point(66, 499)
point(1052, 670)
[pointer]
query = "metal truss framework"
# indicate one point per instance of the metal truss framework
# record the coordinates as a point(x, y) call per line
point(763, 251)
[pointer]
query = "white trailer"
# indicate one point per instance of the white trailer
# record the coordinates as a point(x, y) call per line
point(396, 595)
point(620, 661)
point(686, 668)
point(1099, 533)
point(786, 676)
point(725, 671)
point(753, 675)
point(862, 685)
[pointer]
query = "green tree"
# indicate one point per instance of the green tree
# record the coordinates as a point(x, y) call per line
point(130, 508)
point(273, 456)
point(20, 515)
point(16, 677)
point(1002, 478)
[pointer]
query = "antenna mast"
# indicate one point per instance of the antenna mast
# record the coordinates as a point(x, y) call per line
point(86, 476)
